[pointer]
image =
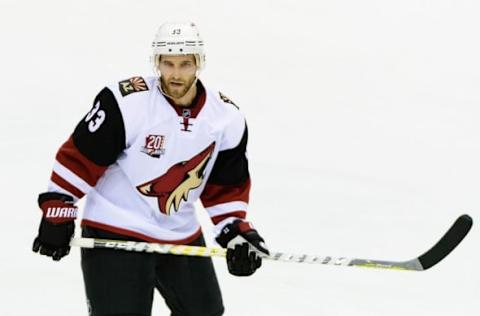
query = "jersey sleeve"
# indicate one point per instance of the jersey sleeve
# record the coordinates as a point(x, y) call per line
point(226, 193)
point(96, 142)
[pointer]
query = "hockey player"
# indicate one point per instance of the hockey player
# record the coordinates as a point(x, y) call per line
point(146, 151)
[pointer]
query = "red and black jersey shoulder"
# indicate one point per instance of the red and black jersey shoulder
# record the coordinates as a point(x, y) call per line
point(100, 135)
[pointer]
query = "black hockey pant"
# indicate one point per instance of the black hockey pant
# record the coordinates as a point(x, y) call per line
point(119, 282)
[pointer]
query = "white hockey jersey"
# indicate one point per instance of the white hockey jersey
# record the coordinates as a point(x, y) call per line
point(142, 162)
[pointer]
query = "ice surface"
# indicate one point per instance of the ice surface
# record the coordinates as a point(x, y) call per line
point(364, 141)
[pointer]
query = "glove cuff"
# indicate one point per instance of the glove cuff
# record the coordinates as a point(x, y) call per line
point(57, 208)
point(232, 230)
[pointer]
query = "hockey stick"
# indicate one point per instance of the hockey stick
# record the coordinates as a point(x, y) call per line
point(437, 253)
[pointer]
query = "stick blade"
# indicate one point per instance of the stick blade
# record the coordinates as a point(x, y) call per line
point(447, 243)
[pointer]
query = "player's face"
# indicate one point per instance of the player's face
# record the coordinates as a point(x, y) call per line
point(177, 74)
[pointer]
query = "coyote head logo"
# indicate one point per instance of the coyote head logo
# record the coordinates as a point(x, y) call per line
point(173, 186)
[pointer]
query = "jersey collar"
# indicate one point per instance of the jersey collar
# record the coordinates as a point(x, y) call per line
point(197, 103)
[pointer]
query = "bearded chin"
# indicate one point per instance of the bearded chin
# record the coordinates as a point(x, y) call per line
point(176, 94)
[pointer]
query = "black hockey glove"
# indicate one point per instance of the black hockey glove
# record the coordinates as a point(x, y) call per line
point(57, 225)
point(244, 245)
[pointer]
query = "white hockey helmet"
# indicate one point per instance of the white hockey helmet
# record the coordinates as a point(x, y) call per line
point(178, 38)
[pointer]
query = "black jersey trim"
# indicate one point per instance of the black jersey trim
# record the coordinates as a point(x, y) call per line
point(231, 165)
point(106, 140)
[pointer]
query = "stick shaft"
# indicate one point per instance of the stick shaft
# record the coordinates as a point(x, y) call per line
point(434, 255)
point(183, 250)
point(199, 251)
